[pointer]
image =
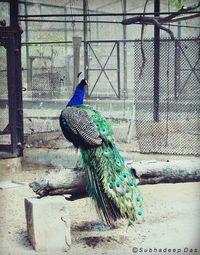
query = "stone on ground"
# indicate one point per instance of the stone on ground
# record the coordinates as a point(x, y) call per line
point(48, 223)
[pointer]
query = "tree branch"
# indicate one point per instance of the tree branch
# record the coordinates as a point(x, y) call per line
point(156, 23)
point(197, 15)
point(141, 43)
point(159, 21)
point(72, 182)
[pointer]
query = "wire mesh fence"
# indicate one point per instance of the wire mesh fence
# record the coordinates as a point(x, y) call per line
point(47, 70)
point(175, 102)
point(47, 82)
point(48, 77)
point(177, 129)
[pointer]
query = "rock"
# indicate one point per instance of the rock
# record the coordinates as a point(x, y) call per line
point(48, 223)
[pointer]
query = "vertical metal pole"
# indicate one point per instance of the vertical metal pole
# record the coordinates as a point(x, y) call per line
point(76, 57)
point(177, 70)
point(179, 26)
point(14, 14)
point(12, 76)
point(15, 82)
point(97, 27)
point(118, 69)
point(156, 65)
point(86, 61)
point(19, 96)
point(66, 48)
point(27, 48)
point(125, 50)
point(12, 93)
point(85, 7)
point(177, 60)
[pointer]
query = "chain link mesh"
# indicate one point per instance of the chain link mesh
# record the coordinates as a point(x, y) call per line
point(47, 82)
point(177, 130)
point(48, 70)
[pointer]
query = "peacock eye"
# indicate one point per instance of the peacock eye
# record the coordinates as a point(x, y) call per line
point(103, 130)
point(117, 184)
point(110, 186)
point(118, 163)
point(131, 184)
point(106, 152)
point(138, 199)
point(139, 213)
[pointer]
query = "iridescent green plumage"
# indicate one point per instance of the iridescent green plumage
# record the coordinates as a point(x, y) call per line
point(110, 182)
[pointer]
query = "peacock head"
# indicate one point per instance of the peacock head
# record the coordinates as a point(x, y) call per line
point(78, 97)
point(83, 83)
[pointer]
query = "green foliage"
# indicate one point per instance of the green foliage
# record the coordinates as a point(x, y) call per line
point(177, 4)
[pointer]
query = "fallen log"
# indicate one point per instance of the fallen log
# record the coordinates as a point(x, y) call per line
point(69, 181)
point(72, 182)
point(174, 171)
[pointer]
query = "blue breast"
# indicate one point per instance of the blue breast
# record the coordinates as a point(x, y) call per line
point(78, 97)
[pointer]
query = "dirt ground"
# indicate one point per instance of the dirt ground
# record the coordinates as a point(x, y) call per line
point(171, 222)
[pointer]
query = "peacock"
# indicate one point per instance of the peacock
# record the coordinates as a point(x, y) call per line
point(109, 181)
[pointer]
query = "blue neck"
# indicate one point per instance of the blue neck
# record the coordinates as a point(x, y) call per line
point(78, 96)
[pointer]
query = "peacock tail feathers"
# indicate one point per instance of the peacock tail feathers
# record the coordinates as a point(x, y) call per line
point(110, 183)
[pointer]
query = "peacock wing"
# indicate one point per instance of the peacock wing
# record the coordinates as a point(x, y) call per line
point(82, 124)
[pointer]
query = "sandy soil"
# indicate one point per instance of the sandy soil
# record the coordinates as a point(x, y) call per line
point(171, 222)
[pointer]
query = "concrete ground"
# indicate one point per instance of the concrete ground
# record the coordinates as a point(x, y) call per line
point(171, 220)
